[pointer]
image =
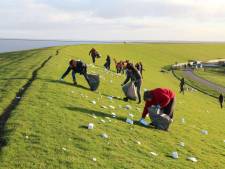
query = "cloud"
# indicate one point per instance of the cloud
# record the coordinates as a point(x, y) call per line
point(117, 19)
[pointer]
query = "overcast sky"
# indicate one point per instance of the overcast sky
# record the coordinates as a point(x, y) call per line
point(191, 20)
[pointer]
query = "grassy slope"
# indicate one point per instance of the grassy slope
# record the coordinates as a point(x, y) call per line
point(16, 68)
point(197, 85)
point(54, 114)
point(214, 76)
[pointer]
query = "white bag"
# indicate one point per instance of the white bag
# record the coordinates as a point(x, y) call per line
point(130, 91)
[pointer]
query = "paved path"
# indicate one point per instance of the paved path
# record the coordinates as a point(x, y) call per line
point(191, 75)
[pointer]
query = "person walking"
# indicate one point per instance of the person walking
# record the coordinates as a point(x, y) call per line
point(94, 54)
point(108, 62)
point(182, 83)
point(221, 100)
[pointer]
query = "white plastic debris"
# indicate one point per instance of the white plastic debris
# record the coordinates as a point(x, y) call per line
point(131, 115)
point(110, 97)
point(174, 155)
point(64, 149)
point(17, 97)
point(90, 126)
point(104, 135)
point(181, 144)
point(94, 116)
point(27, 137)
point(193, 159)
point(93, 102)
point(205, 132)
point(94, 159)
point(114, 115)
point(182, 120)
point(129, 121)
point(128, 107)
point(103, 121)
point(104, 107)
point(138, 142)
point(153, 153)
point(112, 107)
point(108, 118)
point(143, 122)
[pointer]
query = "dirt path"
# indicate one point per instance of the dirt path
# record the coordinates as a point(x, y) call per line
point(191, 75)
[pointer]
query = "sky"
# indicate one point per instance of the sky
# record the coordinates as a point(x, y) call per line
point(159, 20)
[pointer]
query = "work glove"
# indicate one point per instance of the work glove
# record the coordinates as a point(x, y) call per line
point(143, 122)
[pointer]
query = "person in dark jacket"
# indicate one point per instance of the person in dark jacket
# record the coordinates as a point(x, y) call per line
point(161, 97)
point(141, 69)
point(182, 85)
point(134, 75)
point(76, 67)
point(94, 54)
point(221, 100)
point(108, 62)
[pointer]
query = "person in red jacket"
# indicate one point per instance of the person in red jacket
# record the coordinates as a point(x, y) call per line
point(161, 97)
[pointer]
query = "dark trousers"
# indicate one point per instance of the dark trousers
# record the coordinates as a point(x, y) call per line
point(93, 59)
point(221, 105)
point(169, 109)
point(138, 86)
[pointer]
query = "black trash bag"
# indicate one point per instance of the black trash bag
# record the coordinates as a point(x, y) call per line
point(93, 81)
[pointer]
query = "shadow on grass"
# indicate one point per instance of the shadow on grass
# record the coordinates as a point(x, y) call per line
point(101, 114)
point(66, 83)
point(116, 98)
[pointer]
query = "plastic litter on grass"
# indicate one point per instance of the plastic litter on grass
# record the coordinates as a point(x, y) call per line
point(174, 155)
point(128, 107)
point(181, 144)
point(153, 153)
point(129, 121)
point(90, 126)
point(104, 135)
point(204, 132)
point(193, 159)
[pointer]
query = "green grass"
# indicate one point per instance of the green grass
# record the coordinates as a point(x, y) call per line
point(217, 76)
point(196, 85)
point(53, 115)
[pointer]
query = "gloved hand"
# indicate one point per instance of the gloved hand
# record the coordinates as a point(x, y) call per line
point(143, 122)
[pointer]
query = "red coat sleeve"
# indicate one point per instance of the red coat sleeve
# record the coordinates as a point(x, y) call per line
point(145, 111)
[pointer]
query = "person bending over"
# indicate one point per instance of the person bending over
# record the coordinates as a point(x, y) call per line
point(76, 67)
point(134, 75)
point(163, 98)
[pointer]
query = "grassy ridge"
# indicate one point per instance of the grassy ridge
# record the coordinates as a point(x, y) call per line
point(15, 70)
point(47, 128)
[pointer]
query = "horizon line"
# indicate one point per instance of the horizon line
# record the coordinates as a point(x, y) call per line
point(116, 41)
